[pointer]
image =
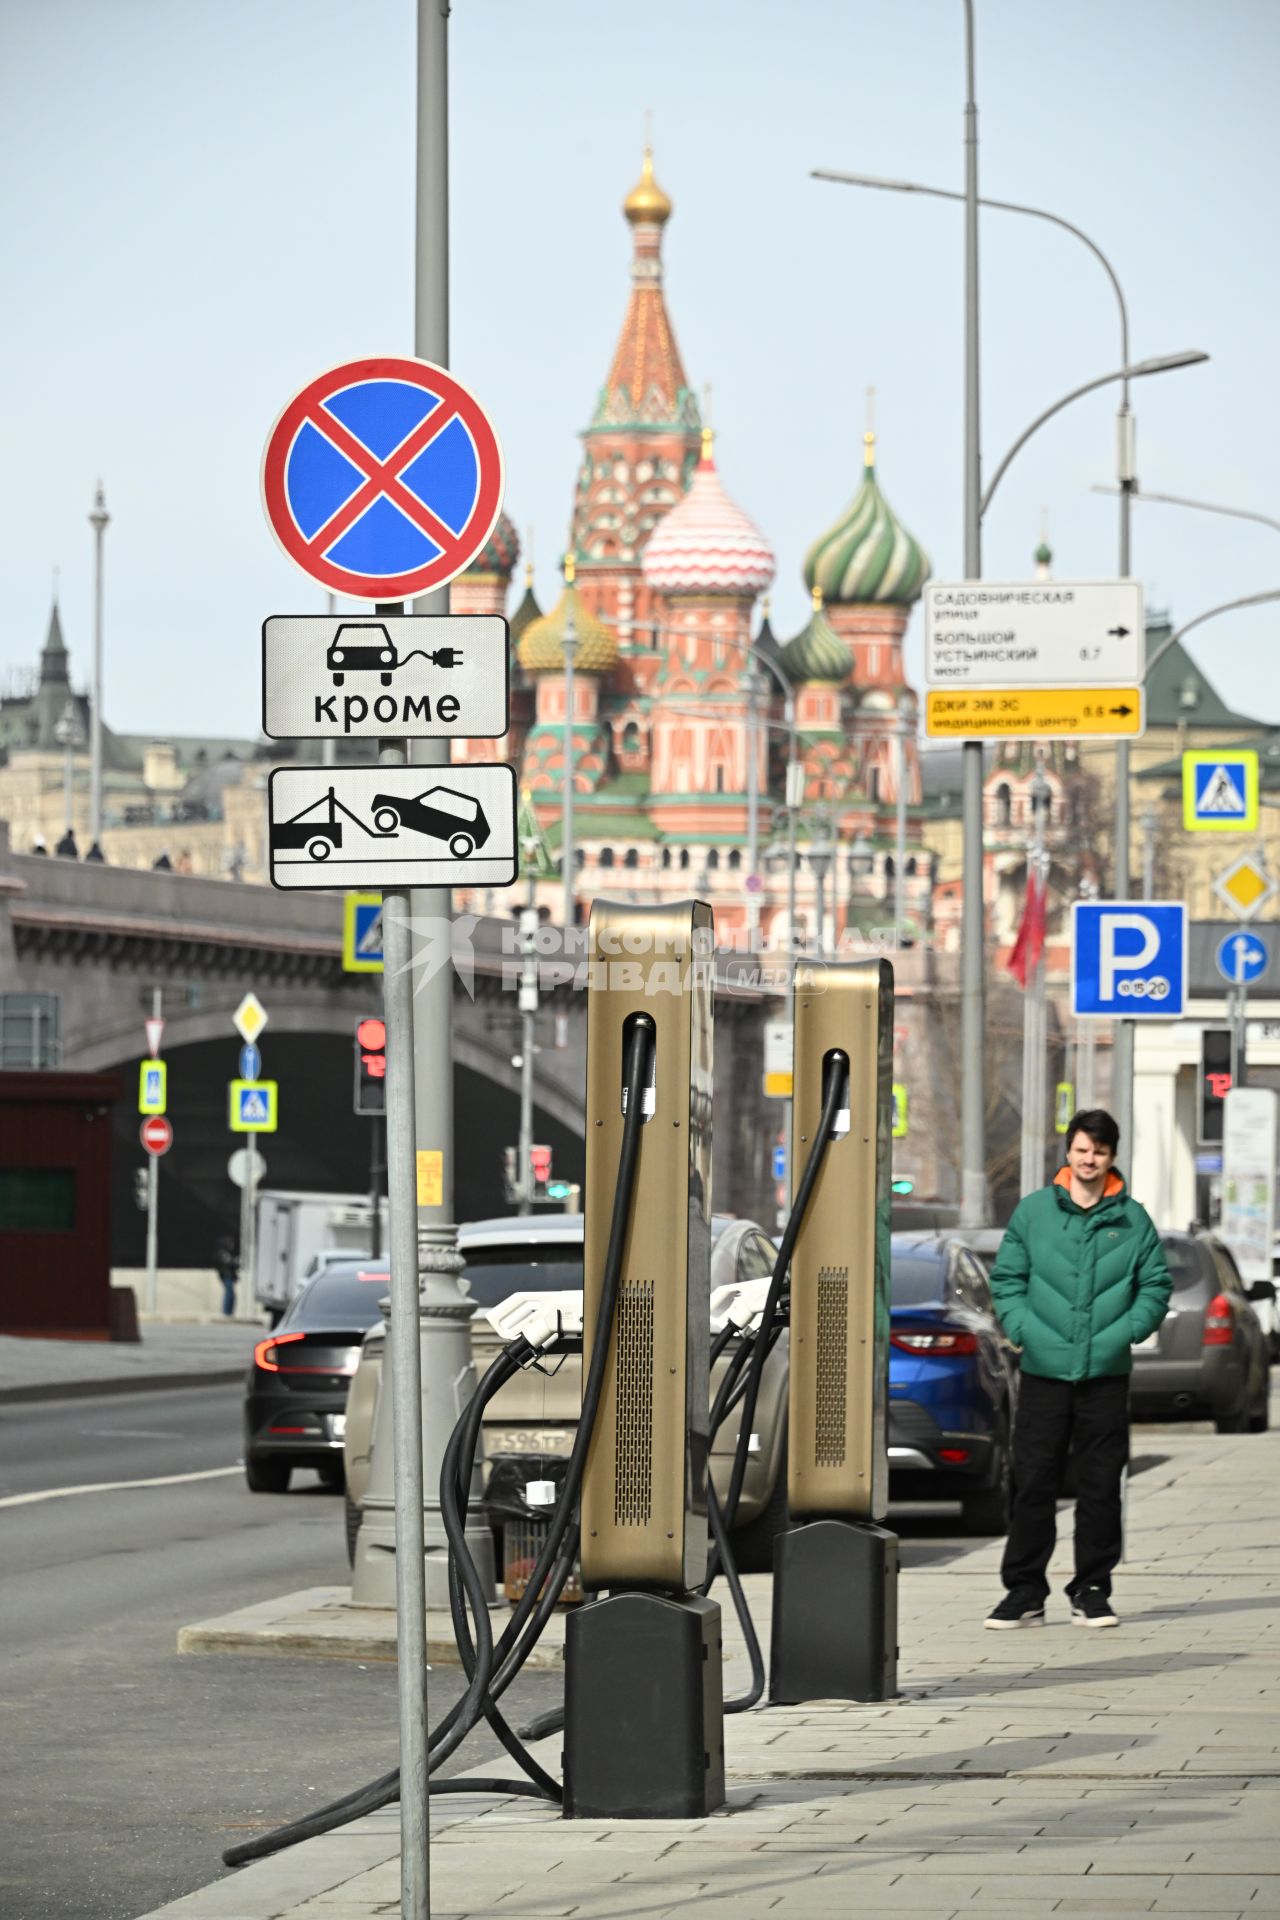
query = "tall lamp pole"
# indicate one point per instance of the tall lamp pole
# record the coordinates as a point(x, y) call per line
point(569, 644)
point(67, 735)
point(906, 721)
point(99, 520)
point(753, 804)
point(1033, 1020)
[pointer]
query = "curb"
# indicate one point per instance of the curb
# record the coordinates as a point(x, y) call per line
point(145, 1383)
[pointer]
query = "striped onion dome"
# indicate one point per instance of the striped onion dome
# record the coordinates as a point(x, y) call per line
point(497, 558)
point(705, 544)
point(541, 650)
point(868, 555)
point(816, 653)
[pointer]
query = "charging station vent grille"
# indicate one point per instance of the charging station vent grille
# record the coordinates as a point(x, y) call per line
point(633, 1421)
point(832, 1366)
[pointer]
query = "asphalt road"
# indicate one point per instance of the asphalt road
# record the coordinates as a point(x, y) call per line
point(124, 1770)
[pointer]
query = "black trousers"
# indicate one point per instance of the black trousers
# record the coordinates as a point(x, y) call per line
point(1088, 1419)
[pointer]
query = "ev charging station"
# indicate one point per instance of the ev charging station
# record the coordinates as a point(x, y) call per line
point(644, 1726)
point(835, 1606)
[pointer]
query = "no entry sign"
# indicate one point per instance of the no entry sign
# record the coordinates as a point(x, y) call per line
point(383, 478)
point(156, 1134)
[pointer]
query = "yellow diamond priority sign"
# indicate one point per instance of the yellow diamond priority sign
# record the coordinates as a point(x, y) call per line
point(1246, 886)
point(250, 1017)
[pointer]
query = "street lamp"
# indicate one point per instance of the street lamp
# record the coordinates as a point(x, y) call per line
point(973, 1150)
point(754, 689)
point(569, 645)
point(1033, 1008)
point(99, 520)
point(821, 854)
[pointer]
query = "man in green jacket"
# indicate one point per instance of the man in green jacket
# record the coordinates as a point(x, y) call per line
point(1080, 1278)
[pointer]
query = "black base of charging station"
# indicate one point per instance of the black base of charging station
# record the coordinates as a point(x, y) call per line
point(835, 1613)
point(643, 1709)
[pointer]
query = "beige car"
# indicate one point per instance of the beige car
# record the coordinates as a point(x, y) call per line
point(529, 1426)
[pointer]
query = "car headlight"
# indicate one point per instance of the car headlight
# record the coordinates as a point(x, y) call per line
point(386, 659)
point(336, 656)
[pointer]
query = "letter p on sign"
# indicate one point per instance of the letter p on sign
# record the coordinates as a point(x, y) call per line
point(1133, 959)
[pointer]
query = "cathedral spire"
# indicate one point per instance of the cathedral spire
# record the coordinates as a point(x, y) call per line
point(646, 383)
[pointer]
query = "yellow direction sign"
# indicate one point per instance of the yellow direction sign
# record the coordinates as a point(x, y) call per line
point(1033, 713)
point(153, 1086)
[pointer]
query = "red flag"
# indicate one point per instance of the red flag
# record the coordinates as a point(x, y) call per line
point(1024, 957)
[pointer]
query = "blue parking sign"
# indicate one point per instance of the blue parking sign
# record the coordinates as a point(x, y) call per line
point(1128, 959)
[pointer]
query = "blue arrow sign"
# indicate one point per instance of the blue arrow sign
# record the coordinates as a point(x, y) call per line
point(779, 1163)
point(1241, 957)
point(250, 1062)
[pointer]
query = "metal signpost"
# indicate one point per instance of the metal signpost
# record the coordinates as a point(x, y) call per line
point(1220, 791)
point(393, 827)
point(1241, 957)
point(383, 479)
point(1027, 659)
point(153, 1093)
point(249, 1018)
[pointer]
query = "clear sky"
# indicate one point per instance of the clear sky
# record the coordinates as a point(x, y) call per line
point(203, 203)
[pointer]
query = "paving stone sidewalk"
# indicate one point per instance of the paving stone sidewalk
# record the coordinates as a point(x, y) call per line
point(1060, 1771)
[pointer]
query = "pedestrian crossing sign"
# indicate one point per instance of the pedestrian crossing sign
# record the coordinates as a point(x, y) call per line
point(362, 933)
point(254, 1105)
point(153, 1077)
point(901, 1110)
point(1220, 791)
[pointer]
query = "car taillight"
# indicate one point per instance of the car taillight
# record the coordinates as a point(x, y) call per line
point(935, 1342)
point(1218, 1325)
point(953, 1456)
point(265, 1351)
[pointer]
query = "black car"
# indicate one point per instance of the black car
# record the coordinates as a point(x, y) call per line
point(1210, 1355)
point(295, 1404)
point(357, 648)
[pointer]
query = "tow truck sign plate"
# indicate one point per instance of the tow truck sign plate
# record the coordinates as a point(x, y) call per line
point(1033, 633)
point(450, 826)
point(397, 677)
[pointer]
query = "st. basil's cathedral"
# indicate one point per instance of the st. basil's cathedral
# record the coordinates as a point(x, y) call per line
point(664, 578)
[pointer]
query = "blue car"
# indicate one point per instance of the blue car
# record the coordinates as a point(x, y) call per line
point(953, 1382)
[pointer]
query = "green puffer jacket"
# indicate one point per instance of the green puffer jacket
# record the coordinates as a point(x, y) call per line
point(1075, 1287)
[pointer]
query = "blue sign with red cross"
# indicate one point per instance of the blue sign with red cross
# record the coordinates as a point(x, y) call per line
point(383, 478)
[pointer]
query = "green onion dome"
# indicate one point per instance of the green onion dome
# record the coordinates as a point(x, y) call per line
point(497, 558)
point(816, 653)
point(541, 648)
point(868, 555)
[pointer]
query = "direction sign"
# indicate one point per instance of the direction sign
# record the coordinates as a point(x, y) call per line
point(383, 478)
point(153, 1086)
point(362, 933)
point(1241, 957)
point(1246, 886)
point(156, 1134)
point(393, 826)
point(1016, 713)
point(1128, 959)
point(412, 677)
point(254, 1106)
point(249, 1018)
point(250, 1061)
point(1220, 791)
point(779, 1162)
point(155, 1034)
point(1033, 633)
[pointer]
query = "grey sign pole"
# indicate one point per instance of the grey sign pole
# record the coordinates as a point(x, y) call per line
point(973, 1082)
point(153, 1197)
point(406, 1390)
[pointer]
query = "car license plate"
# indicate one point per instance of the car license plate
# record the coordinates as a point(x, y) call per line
point(1150, 1345)
point(339, 1424)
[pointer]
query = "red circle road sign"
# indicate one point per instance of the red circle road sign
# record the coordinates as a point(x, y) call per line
point(156, 1134)
point(383, 478)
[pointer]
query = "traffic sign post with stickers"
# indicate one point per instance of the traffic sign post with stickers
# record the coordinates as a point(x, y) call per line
point(382, 479)
point(1027, 659)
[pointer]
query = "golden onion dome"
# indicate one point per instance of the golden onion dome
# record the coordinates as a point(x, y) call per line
point(541, 648)
point(647, 204)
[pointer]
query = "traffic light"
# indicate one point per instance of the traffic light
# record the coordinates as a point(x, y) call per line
point(141, 1184)
point(1215, 1083)
point(540, 1166)
point(371, 1065)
